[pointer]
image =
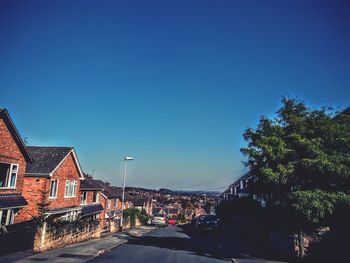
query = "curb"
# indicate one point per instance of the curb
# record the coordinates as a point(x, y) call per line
point(107, 250)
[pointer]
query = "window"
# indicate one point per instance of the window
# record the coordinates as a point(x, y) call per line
point(95, 197)
point(83, 198)
point(8, 174)
point(53, 189)
point(70, 216)
point(116, 202)
point(71, 188)
point(109, 204)
point(6, 217)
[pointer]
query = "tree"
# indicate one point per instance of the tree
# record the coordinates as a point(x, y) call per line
point(301, 159)
point(301, 149)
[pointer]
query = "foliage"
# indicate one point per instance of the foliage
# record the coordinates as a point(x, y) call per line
point(301, 149)
point(132, 213)
point(143, 217)
point(313, 207)
point(240, 206)
point(302, 159)
point(180, 218)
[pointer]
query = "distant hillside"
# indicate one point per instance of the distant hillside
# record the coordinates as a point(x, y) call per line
point(208, 193)
point(165, 191)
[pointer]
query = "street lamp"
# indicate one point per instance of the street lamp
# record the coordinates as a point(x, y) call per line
point(127, 158)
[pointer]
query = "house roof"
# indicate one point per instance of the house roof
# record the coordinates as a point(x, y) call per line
point(15, 134)
point(90, 185)
point(12, 200)
point(139, 201)
point(346, 111)
point(91, 209)
point(115, 192)
point(62, 210)
point(46, 159)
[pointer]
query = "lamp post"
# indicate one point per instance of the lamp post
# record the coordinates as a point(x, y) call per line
point(127, 158)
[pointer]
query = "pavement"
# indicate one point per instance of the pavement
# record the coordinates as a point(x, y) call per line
point(80, 252)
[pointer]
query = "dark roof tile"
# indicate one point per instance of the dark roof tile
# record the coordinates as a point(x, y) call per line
point(90, 185)
point(12, 200)
point(46, 159)
point(91, 209)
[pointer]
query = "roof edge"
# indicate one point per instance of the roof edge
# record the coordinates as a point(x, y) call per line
point(15, 134)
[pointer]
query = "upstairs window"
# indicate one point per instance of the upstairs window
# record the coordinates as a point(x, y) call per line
point(8, 175)
point(53, 189)
point(83, 198)
point(71, 189)
point(109, 204)
point(116, 202)
point(95, 197)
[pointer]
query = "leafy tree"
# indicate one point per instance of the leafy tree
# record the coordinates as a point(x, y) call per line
point(180, 218)
point(301, 149)
point(132, 212)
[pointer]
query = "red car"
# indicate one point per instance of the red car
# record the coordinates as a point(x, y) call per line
point(171, 221)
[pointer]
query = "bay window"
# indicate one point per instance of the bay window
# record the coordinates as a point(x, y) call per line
point(6, 217)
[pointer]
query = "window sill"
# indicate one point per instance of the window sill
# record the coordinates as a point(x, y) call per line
point(52, 198)
point(70, 197)
point(8, 188)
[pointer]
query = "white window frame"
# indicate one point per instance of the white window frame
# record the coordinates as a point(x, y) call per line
point(116, 202)
point(53, 197)
point(81, 198)
point(71, 186)
point(97, 197)
point(108, 203)
point(10, 216)
point(8, 176)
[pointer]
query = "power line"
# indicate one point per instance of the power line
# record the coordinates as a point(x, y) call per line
point(230, 177)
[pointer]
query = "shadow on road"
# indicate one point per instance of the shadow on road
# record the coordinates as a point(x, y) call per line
point(206, 244)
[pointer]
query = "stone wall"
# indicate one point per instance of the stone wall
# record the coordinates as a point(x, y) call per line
point(114, 226)
point(50, 236)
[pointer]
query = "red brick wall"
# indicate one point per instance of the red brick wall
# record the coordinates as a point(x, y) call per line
point(33, 193)
point(10, 153)
point(34, 187)
point(66, 171)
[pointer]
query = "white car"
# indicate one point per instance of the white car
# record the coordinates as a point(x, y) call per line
point(159, 219)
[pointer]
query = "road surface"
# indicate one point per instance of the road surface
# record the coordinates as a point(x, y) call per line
point(175, 244)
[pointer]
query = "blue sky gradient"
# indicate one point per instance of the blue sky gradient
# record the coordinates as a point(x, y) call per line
point(173, 83)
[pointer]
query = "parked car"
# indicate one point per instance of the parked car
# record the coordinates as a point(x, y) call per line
point(172, 221)
point(159, 219)
point(207, 222)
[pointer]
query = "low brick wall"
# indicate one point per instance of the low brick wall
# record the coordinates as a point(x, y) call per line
point(50, 236)
point(114, 226)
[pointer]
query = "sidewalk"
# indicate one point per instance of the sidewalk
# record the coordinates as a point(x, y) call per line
point(79, 252)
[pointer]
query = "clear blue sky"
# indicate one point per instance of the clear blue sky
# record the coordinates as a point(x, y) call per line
point(173, 83)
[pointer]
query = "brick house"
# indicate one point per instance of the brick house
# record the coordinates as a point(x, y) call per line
point(142, 203)
point(52, 178)
point(90, 195)
point(111, 201)
point(13, 161)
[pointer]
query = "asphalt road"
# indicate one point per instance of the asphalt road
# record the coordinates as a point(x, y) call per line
point(167, 244)
point(182, 244)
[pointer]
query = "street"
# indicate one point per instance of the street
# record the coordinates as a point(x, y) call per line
point(173, 244)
